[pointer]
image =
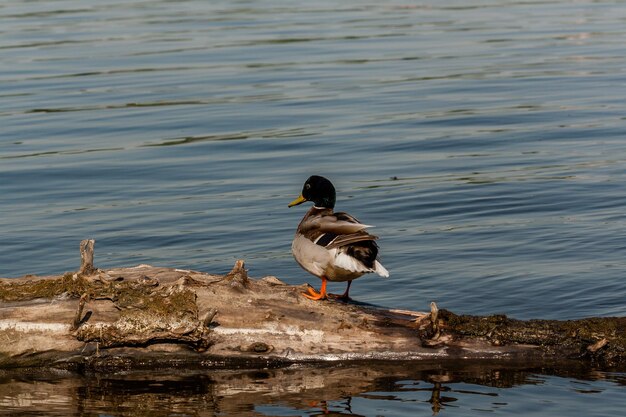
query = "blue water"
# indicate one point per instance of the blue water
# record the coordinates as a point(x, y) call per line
point(373, 390)
point(485, 141)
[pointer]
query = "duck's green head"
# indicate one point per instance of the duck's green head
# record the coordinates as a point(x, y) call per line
point(318, 190)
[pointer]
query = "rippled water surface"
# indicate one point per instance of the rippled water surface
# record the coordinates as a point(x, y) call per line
point(486, 140)
point(379, 390)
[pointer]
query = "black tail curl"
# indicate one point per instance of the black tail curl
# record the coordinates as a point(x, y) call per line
point(365, 252)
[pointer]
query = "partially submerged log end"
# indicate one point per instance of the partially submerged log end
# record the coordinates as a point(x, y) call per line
point(599, 339)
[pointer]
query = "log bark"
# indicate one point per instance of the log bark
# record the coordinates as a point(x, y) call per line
point(145, 315)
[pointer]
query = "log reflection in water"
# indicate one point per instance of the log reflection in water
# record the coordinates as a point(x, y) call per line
point(326, 389)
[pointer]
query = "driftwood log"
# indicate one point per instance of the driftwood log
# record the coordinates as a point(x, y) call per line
point(148, 316)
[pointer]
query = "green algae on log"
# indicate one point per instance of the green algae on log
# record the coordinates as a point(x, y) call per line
point(145, 316)
point(601, 339)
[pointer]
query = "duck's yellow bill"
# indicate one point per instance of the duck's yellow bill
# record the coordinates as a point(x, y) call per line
point(297, 201)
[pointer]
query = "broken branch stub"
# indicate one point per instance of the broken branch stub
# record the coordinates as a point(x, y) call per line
point(78, 318)
point(86, 257)
point(237, 278)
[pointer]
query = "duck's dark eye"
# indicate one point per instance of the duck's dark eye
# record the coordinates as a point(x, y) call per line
point(307, 186)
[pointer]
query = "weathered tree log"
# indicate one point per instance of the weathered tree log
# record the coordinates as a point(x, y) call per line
point(144, 315)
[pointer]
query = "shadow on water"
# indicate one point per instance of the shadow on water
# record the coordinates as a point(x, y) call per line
point(325, 390)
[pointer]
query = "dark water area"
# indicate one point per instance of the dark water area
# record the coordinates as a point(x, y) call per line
point(485, 141)
point(354, 390)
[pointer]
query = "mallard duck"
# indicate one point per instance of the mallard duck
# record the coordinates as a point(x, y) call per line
point(332, 246)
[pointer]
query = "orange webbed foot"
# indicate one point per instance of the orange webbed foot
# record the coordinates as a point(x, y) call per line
point(314, 295)
point(311, 294)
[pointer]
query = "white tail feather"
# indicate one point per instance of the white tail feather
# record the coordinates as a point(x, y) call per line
point(348, 263)
point(381, 270)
